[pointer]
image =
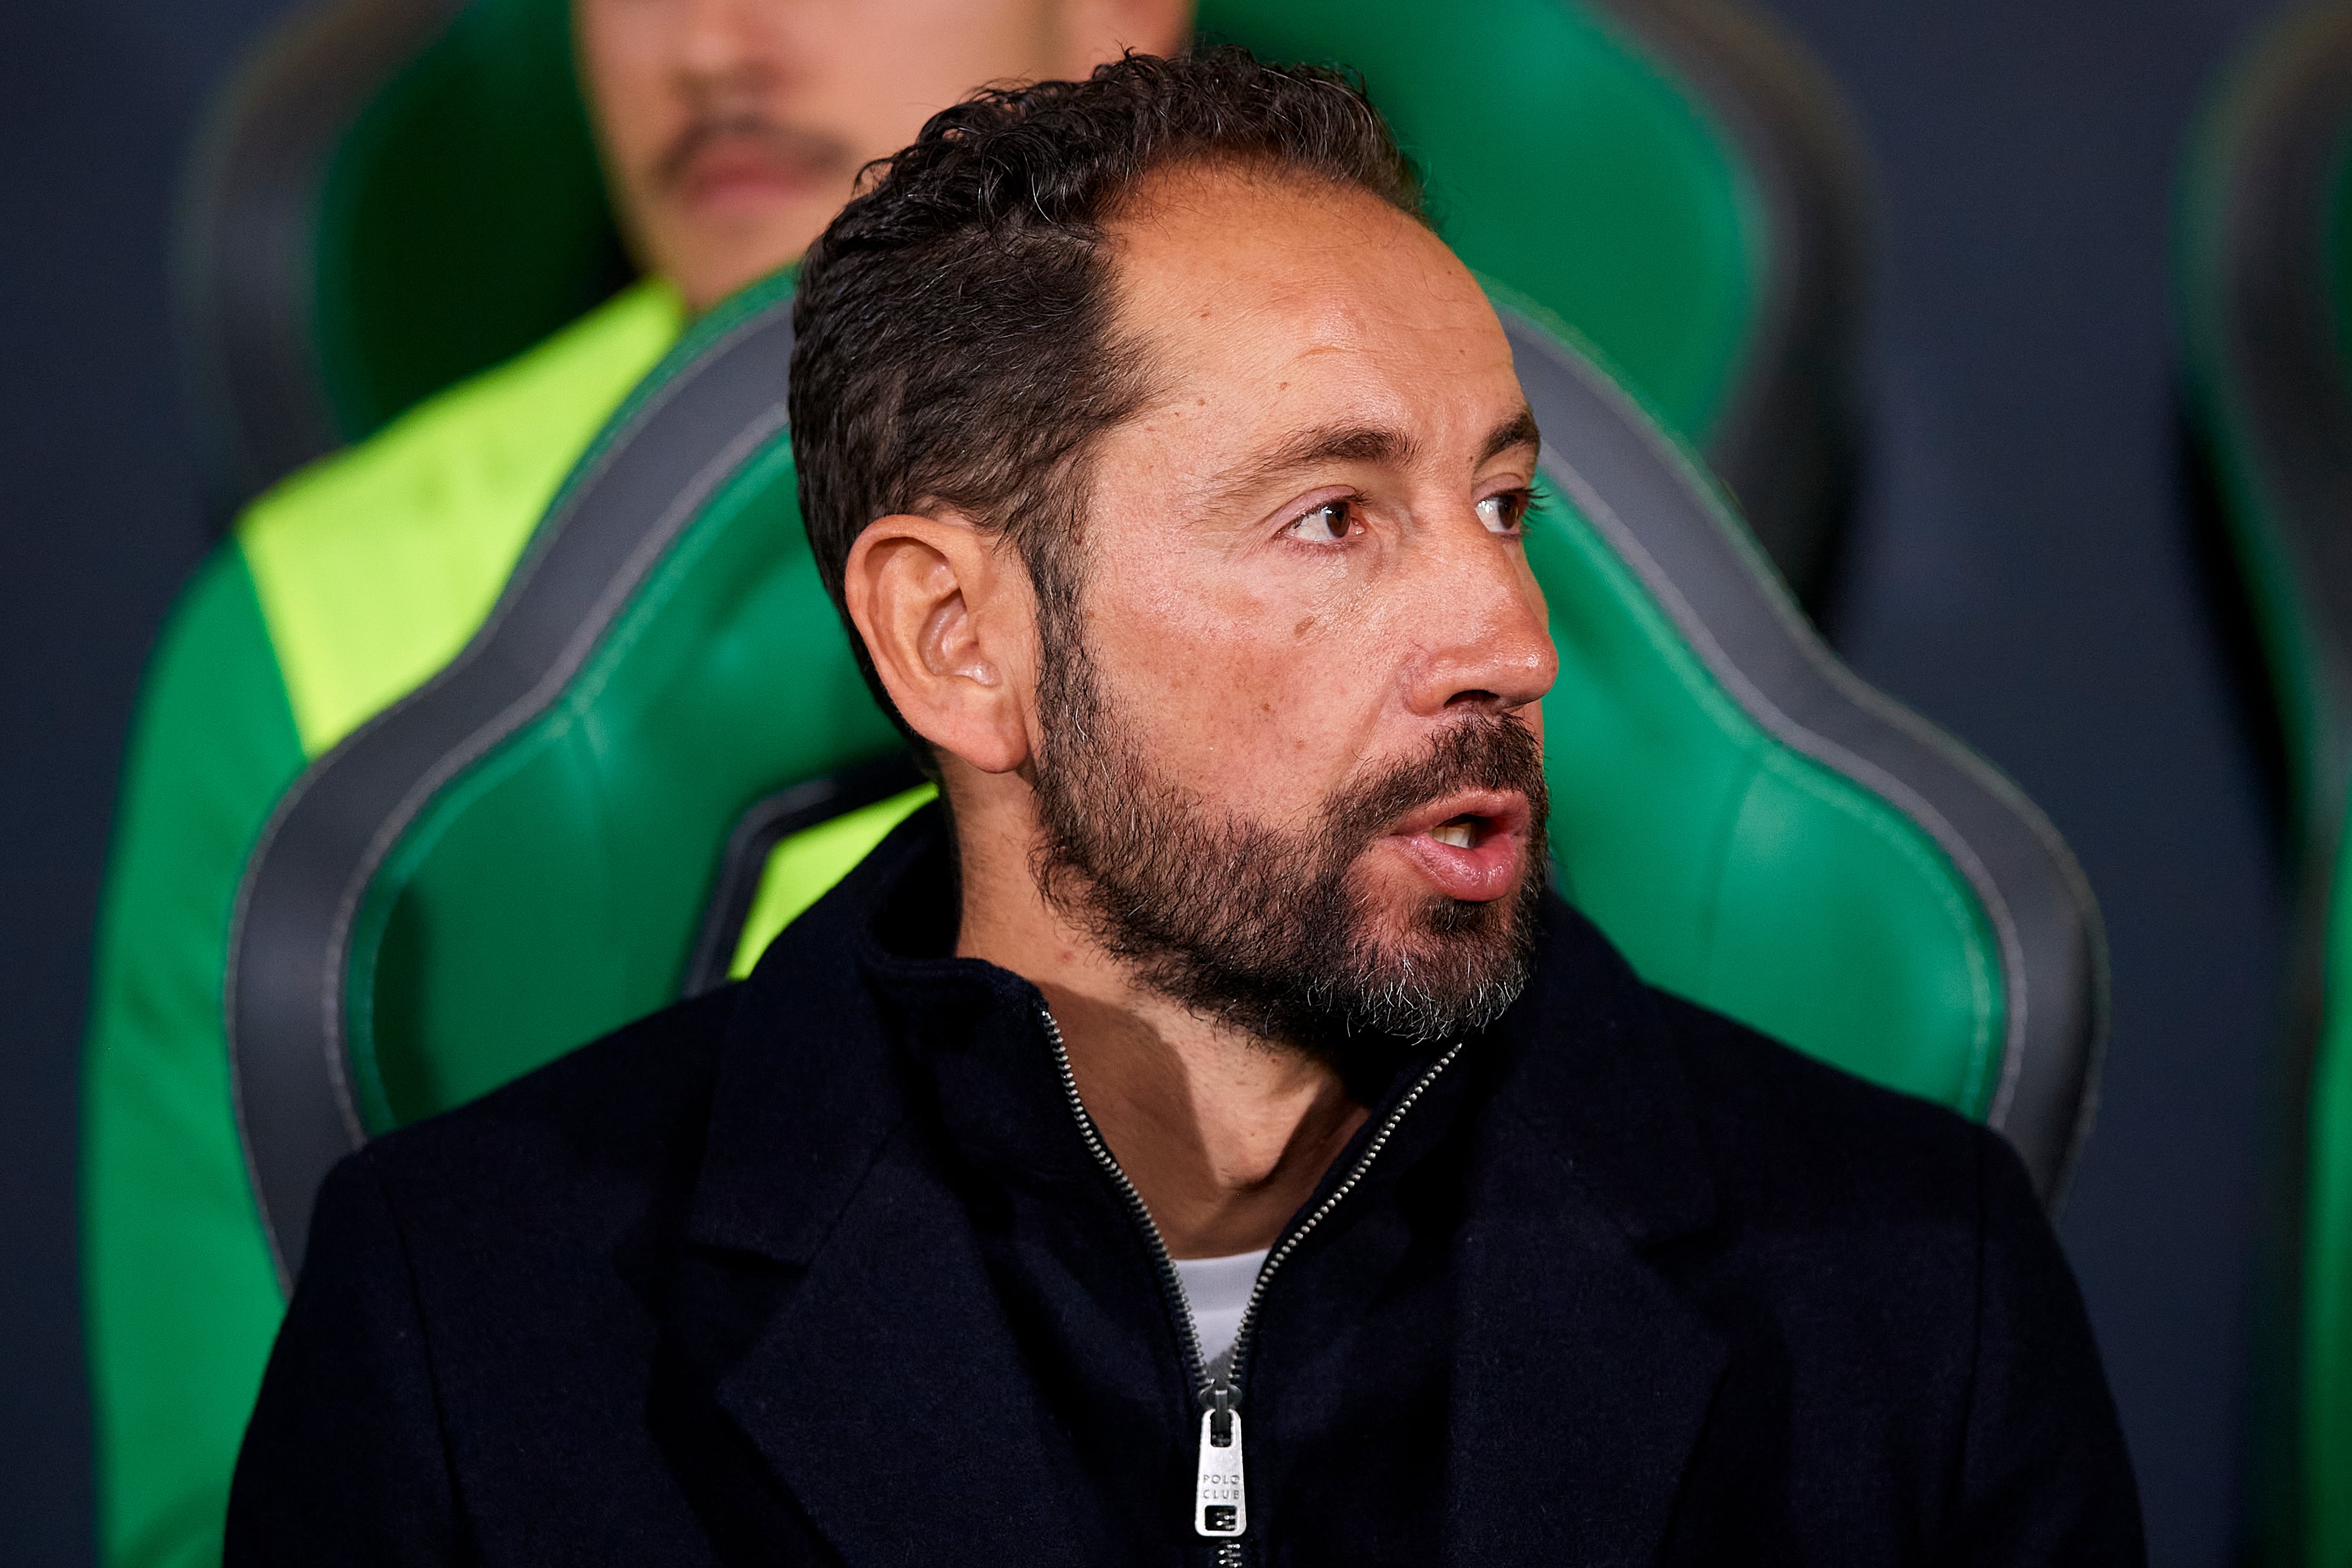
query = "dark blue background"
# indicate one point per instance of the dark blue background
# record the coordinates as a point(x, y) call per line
point(2023, 573)
point(2025, 576)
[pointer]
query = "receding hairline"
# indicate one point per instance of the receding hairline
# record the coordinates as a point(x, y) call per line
point(1266, 170)
point(1144, 331)
point(1171, 183)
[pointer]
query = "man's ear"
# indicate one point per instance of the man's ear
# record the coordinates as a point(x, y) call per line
point(950, 632)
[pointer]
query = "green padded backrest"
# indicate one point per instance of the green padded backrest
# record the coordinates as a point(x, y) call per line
point(2265, 269)
point(521, 855)
point(404, 192)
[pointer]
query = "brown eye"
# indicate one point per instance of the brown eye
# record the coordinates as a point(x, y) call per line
point(1327, 524)
point(1503, 514)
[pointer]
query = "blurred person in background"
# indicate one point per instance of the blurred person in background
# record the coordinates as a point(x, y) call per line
point(731, 131)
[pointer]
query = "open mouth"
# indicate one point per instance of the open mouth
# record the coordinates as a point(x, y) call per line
point(1470, 844)
point(1462, 832)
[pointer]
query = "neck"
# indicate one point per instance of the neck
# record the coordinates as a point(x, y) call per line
point(1223, 1134)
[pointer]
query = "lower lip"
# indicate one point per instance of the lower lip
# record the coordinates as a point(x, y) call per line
point(1485, 871)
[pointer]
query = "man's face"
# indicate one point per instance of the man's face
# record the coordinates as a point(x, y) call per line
point(1291, 740)
point(732, 128)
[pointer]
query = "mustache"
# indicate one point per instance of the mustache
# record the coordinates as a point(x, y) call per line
point(1489, 751)
point(786, 143)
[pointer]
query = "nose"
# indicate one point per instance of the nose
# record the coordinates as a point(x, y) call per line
point(722, 40)
point(1481, 626)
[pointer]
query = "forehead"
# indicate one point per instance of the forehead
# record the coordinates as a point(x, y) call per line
point(1281, 298)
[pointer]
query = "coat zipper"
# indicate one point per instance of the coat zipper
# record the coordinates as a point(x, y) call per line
point(1219, 1509)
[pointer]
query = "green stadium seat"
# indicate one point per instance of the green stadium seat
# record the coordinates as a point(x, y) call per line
point(2265, 265)
point(401, 192)
point(556, 833)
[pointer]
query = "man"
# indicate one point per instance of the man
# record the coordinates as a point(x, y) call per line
point(733, 129)
point(1204, 1139)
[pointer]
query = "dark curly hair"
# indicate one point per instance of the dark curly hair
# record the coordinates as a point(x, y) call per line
point(953, 339)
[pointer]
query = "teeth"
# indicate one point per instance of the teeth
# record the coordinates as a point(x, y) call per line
point(1457, 833)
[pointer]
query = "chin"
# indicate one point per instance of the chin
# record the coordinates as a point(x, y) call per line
point(1447, 950)
point(1399, 908)
point(739, 240)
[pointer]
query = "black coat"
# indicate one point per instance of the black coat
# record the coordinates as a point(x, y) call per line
point(819, 1269)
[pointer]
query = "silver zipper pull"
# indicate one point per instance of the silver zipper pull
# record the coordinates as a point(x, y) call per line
point(1219, 1506)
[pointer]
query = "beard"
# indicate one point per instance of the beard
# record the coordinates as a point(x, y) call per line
point(1273, 931)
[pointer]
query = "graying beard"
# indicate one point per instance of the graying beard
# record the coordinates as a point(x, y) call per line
point(1093, 795)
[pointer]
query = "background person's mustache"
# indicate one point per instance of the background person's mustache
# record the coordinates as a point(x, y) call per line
point(783, 143)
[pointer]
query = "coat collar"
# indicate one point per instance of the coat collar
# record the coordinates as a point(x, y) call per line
point(816, 1199)
point(1582, 1375)
point(1587, 1063)
point(813, 1079)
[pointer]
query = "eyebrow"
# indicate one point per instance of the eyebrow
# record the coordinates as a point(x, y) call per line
point(1519, 430)
point(1366, 444)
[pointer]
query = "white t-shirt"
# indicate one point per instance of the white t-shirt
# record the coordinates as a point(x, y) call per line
point(1218, 1290)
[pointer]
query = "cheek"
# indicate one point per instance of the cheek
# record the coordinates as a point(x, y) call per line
point(636, 113)
point(1262, 699)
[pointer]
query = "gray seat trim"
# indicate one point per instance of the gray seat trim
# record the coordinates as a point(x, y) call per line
point(246, 279)
point(770, 821)
point(291, 939)
point(244, 272)
point(1785, 442)
point(1669, 523)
